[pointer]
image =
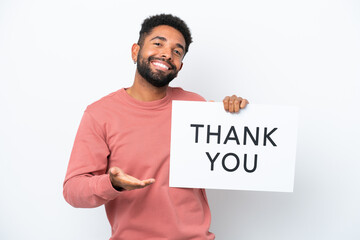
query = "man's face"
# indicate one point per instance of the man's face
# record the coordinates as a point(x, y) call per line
point(159, 59)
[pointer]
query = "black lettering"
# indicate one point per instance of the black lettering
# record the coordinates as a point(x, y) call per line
point(245, 165)
point(197, 126)
point(213, 133)
point(247, 132)
point(237, 162)
point(267, 136)
point(212, 160)
point(232, 130)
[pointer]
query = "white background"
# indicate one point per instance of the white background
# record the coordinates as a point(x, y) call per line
point(56, 57)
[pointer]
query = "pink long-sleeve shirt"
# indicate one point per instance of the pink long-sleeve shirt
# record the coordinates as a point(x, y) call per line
point(121, 131)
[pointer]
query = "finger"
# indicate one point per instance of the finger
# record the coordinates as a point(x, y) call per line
point(232, 103)
point(120, 179)
point(243, 104)
point(143, 184)
point(237, 104)
point(132, 184)
point(131, 181)
point(149, 181)
point(114, 171)
point(226, 103)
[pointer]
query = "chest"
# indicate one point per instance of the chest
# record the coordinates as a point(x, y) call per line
point(139, 140)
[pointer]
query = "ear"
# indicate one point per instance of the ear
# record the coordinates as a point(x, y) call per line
point(181, 66)
point(134, 51)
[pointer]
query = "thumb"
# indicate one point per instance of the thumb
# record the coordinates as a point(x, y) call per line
point(114, 171)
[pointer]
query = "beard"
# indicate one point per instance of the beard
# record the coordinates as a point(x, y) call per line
point(156, 78)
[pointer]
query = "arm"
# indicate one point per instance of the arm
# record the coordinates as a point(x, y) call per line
point(87, 182)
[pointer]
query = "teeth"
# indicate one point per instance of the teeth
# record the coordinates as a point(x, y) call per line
point(160, 65)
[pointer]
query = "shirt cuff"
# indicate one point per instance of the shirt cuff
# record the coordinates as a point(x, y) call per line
point(105, 189)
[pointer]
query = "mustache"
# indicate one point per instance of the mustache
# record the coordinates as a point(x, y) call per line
point(172, 66)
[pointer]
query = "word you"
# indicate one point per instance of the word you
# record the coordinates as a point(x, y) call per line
point(257, 137)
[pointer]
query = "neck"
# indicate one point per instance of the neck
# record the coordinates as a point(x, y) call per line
point(144, 91)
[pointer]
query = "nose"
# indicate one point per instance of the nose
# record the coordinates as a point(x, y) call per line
point(166, 53)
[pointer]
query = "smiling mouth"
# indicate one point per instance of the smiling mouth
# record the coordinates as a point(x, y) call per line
point(161, 65)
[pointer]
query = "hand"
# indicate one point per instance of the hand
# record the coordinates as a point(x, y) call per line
point(120, 179)
point(234, 104)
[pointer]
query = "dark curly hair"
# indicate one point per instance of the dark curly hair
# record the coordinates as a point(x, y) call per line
point(165, 19)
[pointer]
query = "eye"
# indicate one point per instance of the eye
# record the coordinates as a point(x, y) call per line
point(157, 44)
point(177, 52)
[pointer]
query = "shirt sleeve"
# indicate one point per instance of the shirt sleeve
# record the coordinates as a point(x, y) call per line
point(87, 183)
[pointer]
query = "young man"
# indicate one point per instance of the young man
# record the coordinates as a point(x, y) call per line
point(123, 144)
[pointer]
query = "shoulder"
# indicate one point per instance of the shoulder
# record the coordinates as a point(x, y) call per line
point(180, 94)
point(105, 103)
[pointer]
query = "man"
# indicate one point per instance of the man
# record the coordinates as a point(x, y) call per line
point(123, 144)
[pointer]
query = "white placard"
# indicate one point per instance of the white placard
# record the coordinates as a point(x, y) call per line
point(254, 149)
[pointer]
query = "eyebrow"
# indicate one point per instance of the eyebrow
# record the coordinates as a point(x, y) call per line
point(164, 39)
